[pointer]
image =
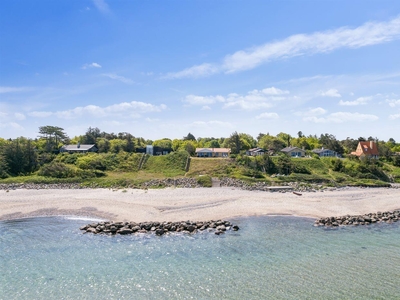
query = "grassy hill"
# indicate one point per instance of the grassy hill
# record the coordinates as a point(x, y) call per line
point(132, 169)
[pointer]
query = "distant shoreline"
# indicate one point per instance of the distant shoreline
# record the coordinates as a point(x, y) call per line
point(197, 204)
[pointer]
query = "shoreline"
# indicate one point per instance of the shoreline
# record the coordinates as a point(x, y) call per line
point(197, 204)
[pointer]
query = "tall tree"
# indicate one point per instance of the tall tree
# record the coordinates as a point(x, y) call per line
point(189, 137)
point(234, 143)
point(53, 136)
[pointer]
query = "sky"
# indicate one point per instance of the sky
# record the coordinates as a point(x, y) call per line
point(160, 69)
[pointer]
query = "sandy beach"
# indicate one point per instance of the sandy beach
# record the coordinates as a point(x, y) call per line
point(175, 204)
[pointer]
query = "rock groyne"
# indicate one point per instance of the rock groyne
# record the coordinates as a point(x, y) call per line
point(159, 228)
point(355, 220)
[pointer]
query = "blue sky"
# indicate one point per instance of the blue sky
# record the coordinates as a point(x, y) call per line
point(165, 68)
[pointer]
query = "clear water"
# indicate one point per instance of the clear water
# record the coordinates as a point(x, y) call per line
point(269, 258)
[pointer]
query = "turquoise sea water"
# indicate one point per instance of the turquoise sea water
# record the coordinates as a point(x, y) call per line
point(269, 258)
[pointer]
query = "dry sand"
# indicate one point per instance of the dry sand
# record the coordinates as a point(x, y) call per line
point(192, 204)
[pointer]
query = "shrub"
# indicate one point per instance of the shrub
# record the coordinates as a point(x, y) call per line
point(57, 170)
point(205, 181)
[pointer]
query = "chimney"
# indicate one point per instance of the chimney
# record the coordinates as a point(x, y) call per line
point(79, 145)
point(371, 144)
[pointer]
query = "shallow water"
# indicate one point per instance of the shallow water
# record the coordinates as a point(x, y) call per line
point(269, 258)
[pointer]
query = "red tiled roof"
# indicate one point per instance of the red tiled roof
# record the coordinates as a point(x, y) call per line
point(367, 148)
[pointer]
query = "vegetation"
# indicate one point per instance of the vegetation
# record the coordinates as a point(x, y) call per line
point(120, 161)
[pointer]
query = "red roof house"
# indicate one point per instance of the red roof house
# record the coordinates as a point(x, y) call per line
point(366, 149)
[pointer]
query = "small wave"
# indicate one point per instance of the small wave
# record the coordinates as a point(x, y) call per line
point(83, 218)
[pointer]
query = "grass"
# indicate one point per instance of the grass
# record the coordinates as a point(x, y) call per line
point(173, 166)
point(214, 167)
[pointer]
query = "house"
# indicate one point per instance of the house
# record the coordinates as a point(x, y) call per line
point(79, 148)
point(213, 152)
point(154, 150)
point(366, 149)
point(294, 151)
point(325, 152)
point(255, 152)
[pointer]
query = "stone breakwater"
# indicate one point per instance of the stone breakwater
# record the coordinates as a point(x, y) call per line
point(159, 228)
point(367, 219)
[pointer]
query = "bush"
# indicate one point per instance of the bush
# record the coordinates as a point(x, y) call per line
point(57, 170)
point(205, 181)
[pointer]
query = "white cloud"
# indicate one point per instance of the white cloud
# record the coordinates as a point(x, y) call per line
point(331, 93)
point(393, 103)
point(205, 107)
point(12, 125)
point(92, 65)
point(394, 117)
point(358, 101)
point(152, 120)
point(211, 124)
point(40, 114)
point(193, 72)
point(268, 116)
point(370, 33)
point(19, 116)
point(119, 78)
point(102, 6)
point(255, 99)
point(10, 89)
point(3, 115)
point(342, 117)
point(201, 100)
point(312, 112)
point(125, 109)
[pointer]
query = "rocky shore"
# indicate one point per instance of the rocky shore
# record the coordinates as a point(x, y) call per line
point(183, 183)
point(355, 220)
point(159, 228)
point(41, 186)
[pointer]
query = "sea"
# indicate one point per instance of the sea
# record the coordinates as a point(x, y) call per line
point(270, 257)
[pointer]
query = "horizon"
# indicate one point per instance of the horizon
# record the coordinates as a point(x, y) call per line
point(161, 70)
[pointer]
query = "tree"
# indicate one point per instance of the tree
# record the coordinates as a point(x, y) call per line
point(189, 137)
point(20, 157)
point(103, 145)
point(300, 134)
point(234, 143)
point(91, 135)
point(53, 136)
point(270, 142)
point(163, 143)
point(212, 144)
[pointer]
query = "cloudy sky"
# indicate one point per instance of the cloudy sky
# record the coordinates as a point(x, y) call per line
point(165, 68)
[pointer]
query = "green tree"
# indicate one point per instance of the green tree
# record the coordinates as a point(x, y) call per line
point(163, 143)
point(53, 136)
point(189, 137)
point(234, 143)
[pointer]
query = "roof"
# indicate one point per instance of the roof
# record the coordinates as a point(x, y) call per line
point(290, 149)
point(256, 150)
point(81, 147)
point(321, 150)
point(366, 149)
point(215, 150)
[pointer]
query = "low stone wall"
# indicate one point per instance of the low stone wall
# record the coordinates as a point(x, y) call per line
point(367, 219)
point(263, 186)
point(171, 182)
point(218, 227)
point(40, 186)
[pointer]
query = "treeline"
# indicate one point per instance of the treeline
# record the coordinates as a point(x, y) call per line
point(23, 156)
